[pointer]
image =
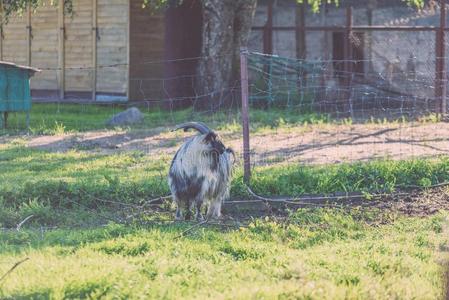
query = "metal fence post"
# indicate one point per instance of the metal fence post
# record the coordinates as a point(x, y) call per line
point(245, 113)
point(440, 63)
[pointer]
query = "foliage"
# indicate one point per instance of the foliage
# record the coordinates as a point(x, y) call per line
point(9, 7)
point(316, 254)
point(316, 4)
point(19, 6)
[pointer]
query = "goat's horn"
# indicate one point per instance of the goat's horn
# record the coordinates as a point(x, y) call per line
point(200, 126)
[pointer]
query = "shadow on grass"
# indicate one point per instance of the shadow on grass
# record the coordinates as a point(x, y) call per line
point(13, 241)
point(41, 294)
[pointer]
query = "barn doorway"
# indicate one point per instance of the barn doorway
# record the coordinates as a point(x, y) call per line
point(358, 53)
point(183, 39)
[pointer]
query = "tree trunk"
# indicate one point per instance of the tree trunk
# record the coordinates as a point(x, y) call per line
point(226, 27)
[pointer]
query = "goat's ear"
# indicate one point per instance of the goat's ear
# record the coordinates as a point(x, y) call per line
point(211, 136)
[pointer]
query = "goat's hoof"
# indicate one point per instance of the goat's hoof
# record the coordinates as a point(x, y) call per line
point(217, 218)
point(178, 216)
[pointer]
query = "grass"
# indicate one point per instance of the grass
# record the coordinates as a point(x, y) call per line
point(57, 119)
point(317, 254)
point(35, 181)
point(373, 176)
point(313, 254)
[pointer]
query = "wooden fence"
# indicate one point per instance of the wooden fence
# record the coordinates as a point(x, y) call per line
point(85, 52)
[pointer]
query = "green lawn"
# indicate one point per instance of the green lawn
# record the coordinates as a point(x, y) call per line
point(312, 254)
point(317, 254)
point(56, 119)
point(36, 181)
point(63, 118)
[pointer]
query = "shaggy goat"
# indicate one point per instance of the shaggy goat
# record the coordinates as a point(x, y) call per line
point(200, 172)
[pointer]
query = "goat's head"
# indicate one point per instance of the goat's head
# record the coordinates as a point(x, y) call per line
point(211, 141)
point(214, 144)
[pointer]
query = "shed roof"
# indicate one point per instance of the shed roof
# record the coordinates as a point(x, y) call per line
point(13, 65)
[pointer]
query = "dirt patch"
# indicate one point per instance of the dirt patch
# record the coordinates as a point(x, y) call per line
point(353, 143)
point(317, 144)
point(418, 203)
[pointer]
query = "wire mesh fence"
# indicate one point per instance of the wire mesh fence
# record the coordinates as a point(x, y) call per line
point(376, 72)
point(165, 100)
point(355, 94)
point(341, 87)
point(354, 115)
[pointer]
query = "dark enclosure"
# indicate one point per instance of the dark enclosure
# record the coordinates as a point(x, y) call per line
point(183, 28)
point(338, 55)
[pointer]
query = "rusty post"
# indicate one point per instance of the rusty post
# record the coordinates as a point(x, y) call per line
point(300, 35)
point(440, 63)
point(245, 113)
point(347, 63)
point(268, 30)
point(300, 31)
point(29, 35)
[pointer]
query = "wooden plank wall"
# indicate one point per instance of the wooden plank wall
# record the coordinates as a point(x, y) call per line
point(63, 47)
point(112, 46)
point(146, 45)
point(15, 40)
point(78, 47)
point(44, 47)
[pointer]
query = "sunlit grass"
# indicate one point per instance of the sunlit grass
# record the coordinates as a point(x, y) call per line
point(315, 254)
point(318, 254)
point(57, 119)
point(57, 179)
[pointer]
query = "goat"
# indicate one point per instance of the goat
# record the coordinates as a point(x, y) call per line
point(200, 172)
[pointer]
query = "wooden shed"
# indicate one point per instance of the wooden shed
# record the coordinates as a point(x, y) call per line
point(101, 51)
point(14, 90)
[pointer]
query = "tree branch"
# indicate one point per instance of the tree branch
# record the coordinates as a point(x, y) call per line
point(12, 268)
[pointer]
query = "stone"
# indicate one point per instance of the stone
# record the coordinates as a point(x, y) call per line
point(128, 117)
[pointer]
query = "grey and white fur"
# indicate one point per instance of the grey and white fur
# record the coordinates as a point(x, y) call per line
point(200, 172)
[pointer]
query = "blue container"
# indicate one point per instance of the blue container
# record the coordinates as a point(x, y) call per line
point(15, 95)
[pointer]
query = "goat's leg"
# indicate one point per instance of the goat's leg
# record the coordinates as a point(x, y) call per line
point(198, 204)
point(217, 211)
point(178, 215)
point(214, 210)
point(189, 210)
point(211, 211)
